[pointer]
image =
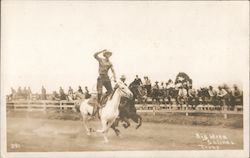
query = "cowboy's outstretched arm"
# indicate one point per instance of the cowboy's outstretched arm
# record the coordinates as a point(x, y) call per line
point(97, 53)
point(113, 71)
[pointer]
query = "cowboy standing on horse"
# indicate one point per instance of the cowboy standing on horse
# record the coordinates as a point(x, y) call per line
point(103, 79)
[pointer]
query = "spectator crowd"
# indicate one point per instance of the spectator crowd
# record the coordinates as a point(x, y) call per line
point(179, 92)
point(26, 94)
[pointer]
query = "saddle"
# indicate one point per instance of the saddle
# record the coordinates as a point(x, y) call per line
point(94, 103)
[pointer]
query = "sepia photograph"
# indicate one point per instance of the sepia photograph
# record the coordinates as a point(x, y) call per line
point(124, 79)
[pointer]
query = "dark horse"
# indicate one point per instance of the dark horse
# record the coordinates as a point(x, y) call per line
point(127, 109)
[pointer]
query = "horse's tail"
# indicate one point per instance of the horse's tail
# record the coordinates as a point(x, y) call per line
point(77, 106)
point(137, 119)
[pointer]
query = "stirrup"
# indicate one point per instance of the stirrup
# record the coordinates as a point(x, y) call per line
point(99, 105)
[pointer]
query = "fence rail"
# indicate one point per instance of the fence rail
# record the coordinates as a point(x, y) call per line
point(45, 105)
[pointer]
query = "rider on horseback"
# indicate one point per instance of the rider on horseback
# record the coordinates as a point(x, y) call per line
point(103, 79)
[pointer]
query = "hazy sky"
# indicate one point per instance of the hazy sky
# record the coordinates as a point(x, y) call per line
point(52, 43)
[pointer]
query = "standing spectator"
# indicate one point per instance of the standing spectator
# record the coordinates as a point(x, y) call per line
point(25, 93)
point(29, 93)
point(80, 90)
point(170, 84)
point(70, 93)
point(137, 81)
point(162, 92)
point(155, 93)
point(170, 90)
point(62, 94)
point(229, 96)
point(13, 94)
point(19, 92)
point(237, 96)
point(212, 95)
point(43, 93)
point(222, 94)
point(87, 95)
point(147, 85)
point(182, 95)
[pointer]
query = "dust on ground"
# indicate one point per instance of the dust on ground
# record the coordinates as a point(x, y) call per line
point(29, 134)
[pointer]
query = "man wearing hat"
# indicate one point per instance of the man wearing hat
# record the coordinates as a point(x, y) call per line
point(123, 79)
point(212, 95)
point(222, 95)
point(103, 79)
point(147, 85)
point(155, 93)
point(182, 95)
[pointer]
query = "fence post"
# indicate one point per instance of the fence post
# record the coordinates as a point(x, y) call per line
point(225, 115)
point(154, 110)
point(186, 113)
point(44, 106)
point(29, 106)
point(14, 107)
point(60, 106)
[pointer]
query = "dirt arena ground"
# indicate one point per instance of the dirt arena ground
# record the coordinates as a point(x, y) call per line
point(29, 134)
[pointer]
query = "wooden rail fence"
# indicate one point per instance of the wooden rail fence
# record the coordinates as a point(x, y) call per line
point(46, 105)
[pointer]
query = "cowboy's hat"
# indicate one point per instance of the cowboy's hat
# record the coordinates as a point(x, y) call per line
point(107, 53)
point(123, 77)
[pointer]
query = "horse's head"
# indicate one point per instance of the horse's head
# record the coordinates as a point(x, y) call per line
point(123, 90)
point(138, 91)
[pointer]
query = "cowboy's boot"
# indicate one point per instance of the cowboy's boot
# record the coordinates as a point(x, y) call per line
point(97, 112)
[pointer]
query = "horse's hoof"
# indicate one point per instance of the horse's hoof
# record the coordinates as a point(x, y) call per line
point(125, 126)
point(91, 130)
point(88, 133)
point(117, 132)
point(100, 131)
point(106, 141)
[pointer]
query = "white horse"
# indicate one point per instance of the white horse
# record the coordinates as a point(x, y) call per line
point(109, 113)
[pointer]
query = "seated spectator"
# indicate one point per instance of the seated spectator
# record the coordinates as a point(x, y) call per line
point(55, 96)
point(44, 97)
point(193, 98)
point(182, 96)
point(80, 90)
point(237, 96)
point(147, 85)
point(222, 94)
point(137, 81)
